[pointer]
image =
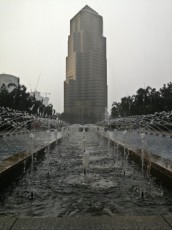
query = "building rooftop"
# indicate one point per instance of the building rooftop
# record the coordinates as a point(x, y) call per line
point(7, 75)
point(88, 9)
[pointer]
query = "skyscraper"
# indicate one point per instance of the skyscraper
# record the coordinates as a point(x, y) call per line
point(85, 87)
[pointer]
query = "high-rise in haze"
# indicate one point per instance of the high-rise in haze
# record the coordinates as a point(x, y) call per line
point(85, 87)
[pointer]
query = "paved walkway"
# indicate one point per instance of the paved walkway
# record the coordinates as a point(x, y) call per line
point(87, 223)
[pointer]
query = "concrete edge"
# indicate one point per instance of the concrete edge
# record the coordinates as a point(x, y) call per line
point(12, 167)
point(155, 169)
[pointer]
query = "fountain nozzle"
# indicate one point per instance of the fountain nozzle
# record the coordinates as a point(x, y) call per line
point(31, 196)
point(142, 194)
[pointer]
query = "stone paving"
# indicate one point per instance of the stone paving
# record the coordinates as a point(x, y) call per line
point(87, 223)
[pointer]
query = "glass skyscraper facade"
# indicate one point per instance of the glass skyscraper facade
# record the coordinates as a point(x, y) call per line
point(85, 87)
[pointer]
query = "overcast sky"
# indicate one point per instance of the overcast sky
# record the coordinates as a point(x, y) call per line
point(34, 33)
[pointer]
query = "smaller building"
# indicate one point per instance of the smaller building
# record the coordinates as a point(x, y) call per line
point(40, 97)
point(10, 81)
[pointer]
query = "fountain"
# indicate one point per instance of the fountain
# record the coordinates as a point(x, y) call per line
point(22, 144)
point(112, 184)
point(92, 171)
point(149, 139)
point(85, 161)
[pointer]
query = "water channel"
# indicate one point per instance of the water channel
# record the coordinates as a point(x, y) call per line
point(57, 186)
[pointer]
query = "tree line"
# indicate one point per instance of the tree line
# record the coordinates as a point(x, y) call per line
point(19, 99)
point(146, 101)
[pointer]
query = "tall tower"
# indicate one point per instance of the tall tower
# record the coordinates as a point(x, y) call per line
point(85, 87)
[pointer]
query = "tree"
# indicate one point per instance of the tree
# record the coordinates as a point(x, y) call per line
point(166, 93)
point(49, 110)
point(4, 96)
point(19, 99)
point(115, 110)
point(146, 101)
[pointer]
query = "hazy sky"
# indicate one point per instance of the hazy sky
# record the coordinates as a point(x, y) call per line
point(34, 33)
